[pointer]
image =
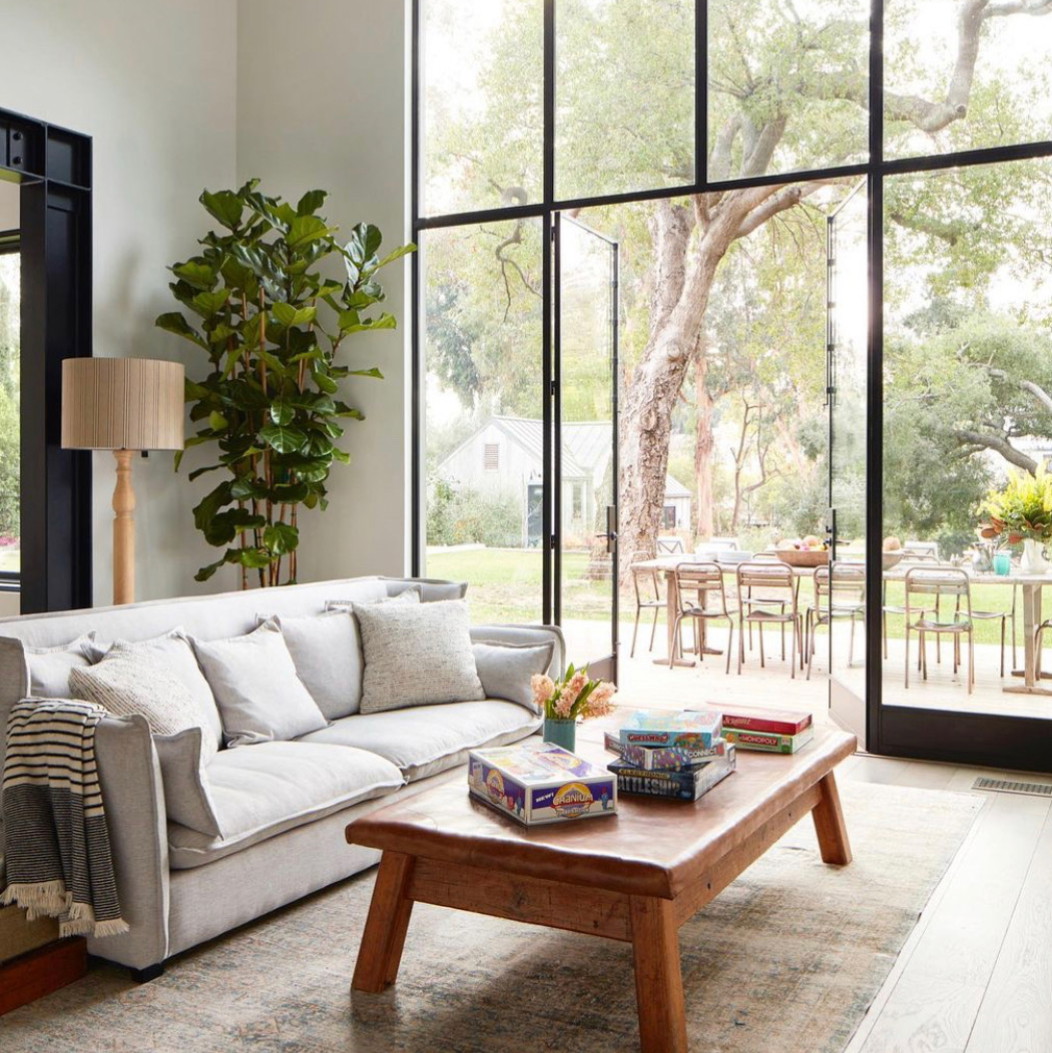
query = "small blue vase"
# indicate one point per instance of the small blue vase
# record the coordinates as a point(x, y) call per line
point(561, 732)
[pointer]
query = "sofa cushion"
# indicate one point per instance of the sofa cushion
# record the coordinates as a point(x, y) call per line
point(410, 594)
point(260, 697)
point(175, 651)
point(187, 796)
point(505, 669)
point(327, 653)
point(276, 786)
point(49, 667)
point(416, 655)
point(428, 739)
point(129, 682)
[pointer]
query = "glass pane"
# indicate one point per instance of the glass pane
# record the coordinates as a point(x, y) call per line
point(968, 385)
point(842, 607)
point(483, 353)
point(624, 96)
point(587, 486)
point(10, 306)
point(787, 86)
point(482, 104)
point(960, 83)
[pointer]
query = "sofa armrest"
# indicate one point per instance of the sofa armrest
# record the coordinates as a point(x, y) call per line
point(526, 634)
point(133, 797)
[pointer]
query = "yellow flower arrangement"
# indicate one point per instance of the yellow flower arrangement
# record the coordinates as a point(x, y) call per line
point(1022, 509)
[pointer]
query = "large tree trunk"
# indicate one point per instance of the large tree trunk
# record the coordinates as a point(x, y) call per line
point(704, 442)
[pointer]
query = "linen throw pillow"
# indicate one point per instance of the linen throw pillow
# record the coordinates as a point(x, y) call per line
point(49, 667)
point(128, 682)
point(327, 653)
point(187, 796)
point(409, 595)
point(174, 651)
point(505, 669)
point(416, 655)
point(260, 697)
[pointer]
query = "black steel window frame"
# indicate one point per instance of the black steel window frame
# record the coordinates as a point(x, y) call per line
point(10, 245)
point(968, 738)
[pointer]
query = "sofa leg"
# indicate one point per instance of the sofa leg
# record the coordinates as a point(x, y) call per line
point(151, 972)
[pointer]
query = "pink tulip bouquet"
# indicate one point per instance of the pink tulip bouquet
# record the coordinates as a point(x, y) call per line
point(575, 695)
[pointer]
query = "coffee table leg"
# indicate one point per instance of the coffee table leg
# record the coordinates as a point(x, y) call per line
point(385, 927)
point(659, 983)
point(829, 824)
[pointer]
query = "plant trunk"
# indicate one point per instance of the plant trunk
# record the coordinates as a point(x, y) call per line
point(704, 442)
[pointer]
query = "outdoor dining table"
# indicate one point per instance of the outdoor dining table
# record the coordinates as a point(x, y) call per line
point(1029, 584)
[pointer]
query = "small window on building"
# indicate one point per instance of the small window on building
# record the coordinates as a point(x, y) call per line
point(577, 501)
point(491, 457)
point(668, 517)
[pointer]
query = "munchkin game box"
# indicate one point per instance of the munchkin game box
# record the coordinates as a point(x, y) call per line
point(536, 783)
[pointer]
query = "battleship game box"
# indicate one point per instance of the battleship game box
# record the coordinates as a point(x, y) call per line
point(536, 783)
point(679, 785)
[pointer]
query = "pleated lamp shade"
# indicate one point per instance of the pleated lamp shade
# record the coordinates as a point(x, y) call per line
point(122, 404)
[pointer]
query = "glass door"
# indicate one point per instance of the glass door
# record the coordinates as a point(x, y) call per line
point(584, 494)
point(846, 393)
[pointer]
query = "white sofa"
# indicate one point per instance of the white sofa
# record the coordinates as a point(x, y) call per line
point(285, 803)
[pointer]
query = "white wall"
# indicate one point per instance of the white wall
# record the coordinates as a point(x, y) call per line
point(154, 84)
point(324, 107)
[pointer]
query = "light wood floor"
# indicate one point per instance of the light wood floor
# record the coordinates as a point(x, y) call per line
point(975, 976)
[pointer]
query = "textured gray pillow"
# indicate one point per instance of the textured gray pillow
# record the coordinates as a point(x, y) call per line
point(49, 667)
point(409, 595)
point(416, 655)
point(174, 651)
point(327, 653)
point(132, 682)
point(260, 697)
point(505, 669)
point(186, 794)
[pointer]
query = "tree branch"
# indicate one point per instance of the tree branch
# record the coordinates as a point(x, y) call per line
point(1038, 392)
point(999, 445)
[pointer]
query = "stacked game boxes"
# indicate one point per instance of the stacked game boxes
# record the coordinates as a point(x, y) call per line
point(770, 730)
point(669, 753)
point(537, 783)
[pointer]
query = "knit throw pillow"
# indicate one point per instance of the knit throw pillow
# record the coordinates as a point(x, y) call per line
point(416, 655)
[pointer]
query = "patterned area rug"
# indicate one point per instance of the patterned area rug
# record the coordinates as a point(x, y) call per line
point(787, 958)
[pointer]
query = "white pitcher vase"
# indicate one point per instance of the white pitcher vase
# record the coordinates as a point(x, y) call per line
point(1034, 560)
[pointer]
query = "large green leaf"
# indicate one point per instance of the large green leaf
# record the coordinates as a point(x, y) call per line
point(282, 412)
point(281, 538)
point(209, 505)
point(398, 253)
point(197, 273)
point(225, 526)
point(282, 438)
point(174, 322)
point(325, 382)
point(373, 372)
point(311, 201)
point(305, 229)
point(225, 206)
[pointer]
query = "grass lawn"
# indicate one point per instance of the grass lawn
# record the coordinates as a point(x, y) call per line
point(506, 587)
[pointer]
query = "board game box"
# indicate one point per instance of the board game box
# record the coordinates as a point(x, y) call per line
point(536, 783)
point(776, 721)
point(695, 729)
point(768, 741)
point(663, 758)
point(680, 785)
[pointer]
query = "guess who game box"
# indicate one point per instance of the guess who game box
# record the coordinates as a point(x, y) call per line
point(537, 783)
point(678, 729)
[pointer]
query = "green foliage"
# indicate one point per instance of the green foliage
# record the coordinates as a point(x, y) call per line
point(1022, 508)
point(10, 446)
point(259, 303)
point(464, 517)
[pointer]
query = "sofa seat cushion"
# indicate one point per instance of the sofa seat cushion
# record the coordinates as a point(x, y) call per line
point(276, 786)
point(428, 739)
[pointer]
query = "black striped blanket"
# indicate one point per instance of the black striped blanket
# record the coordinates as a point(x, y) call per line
point(55, 838)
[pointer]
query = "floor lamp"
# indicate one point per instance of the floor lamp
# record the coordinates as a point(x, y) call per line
point(125, 405)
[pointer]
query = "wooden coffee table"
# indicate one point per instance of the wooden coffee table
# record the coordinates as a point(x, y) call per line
point(635, 877)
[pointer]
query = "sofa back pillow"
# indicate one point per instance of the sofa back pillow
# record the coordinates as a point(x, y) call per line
point(505, 669)
point(416, 655)
point(327, 653)
point(129, 682)
point(174, 651)
point(260, 697)
point(49, 667)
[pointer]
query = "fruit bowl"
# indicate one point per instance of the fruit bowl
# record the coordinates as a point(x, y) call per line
point(805, 557)
point(891, 559)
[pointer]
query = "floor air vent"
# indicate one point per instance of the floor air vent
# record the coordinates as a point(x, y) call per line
point(1034, 789)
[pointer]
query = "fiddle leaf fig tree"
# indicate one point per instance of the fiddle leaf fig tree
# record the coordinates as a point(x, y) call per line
point(260, 303)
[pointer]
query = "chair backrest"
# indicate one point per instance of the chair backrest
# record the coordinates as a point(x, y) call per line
point(645, 580)
point(772, 577)
point(925, 550)
point(696, 580)
point(940, 582)
point(670, 545)
point(843, 582)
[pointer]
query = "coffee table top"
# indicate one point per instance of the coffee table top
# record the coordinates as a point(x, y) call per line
point(651, 847)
